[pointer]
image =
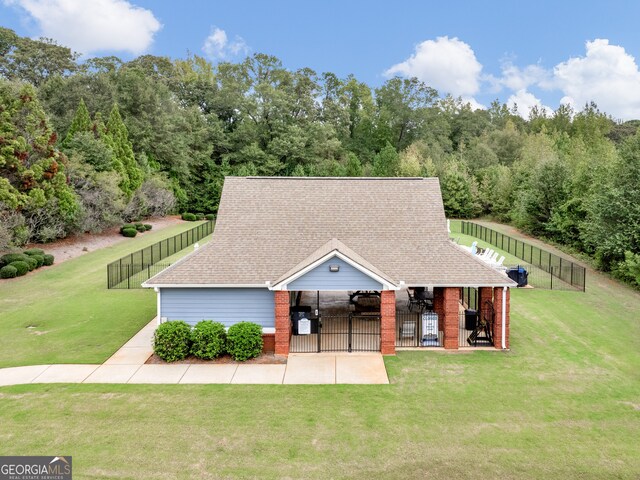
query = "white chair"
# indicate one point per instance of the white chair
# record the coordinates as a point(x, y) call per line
point(499, 262)
point(474, 248)
point(494, 257)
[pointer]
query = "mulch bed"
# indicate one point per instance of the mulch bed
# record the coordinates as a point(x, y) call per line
point(265, 358)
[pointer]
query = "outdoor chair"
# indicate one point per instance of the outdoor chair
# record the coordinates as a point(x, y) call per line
point(408, 329)
point(499, 262)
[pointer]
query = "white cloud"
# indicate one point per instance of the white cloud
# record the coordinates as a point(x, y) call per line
point(93, 26)
point(607, 75)
point(516, 78)
point(447, 64)
point(217, 46)
point(525, 101)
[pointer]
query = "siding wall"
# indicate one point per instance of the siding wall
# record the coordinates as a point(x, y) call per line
point(225, 305)
point(348, 278)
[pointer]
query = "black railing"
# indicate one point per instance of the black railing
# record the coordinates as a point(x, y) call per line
point(340, 333)
point(134, 280)
point(123, 273)
point(561, 273)
point(417, 329)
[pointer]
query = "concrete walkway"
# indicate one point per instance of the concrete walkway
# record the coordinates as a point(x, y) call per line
point(127, 365)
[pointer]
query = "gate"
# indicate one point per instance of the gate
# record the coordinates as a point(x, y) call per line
point(340, 333)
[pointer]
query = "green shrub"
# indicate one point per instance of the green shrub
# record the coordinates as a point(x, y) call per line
point(8, 272)
point(34, 251)
point(21, 267)
point(210, 216)
point(140, 227)
point(148, 226)
point(172, 340)
point(32, 263)
point(208, 339)
point(189, 217)
point(244, 340)
point(125, 226)
point(13, 257)
point(129, 232)
point(48, 259)
point(199, 216)
point(39, 259)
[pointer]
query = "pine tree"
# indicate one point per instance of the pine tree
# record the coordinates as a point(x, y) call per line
point(124, 160)
point(81, 123)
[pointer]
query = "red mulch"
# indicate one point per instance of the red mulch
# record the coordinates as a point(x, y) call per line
point(265, 358)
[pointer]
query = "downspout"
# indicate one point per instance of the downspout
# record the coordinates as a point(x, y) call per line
point(504, 317)
point(159, 305)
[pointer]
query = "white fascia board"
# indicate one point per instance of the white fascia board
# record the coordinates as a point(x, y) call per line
point(334, 253)
point(205, 285)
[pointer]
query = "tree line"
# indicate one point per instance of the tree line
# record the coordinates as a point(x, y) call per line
point(84, 146)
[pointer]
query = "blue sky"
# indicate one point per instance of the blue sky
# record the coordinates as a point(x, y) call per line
point(531, 53)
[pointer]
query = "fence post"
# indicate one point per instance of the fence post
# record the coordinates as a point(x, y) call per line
point(560, 276)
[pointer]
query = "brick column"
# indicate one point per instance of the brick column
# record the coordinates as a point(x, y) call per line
point(438, 306)
point(388, 322)
point(283, 322)
point(451, 301)
point(497, 324)
point(484, 294)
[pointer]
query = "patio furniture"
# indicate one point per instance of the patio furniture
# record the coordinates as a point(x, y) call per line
point(424, 298)
point(483, 332)
point(408, 329)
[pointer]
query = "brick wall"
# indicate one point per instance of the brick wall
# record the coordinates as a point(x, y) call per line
point(388, 322)
point(268, 343)
point(283, 322)
point(438, 306)
point(451, 309)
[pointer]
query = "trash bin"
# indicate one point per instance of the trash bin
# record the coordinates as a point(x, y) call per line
point(470, 319)
point(519, 275)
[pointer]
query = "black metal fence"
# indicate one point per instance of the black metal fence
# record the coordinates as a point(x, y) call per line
point(546, 269)
point(133, 269)
point(418, 329)
point(340, 333)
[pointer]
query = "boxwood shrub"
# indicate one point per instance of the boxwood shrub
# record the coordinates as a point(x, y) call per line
point(148, 226)
point(13, 257)
point(125, 226)
point(129, 232)
point(210, 216)
point(31, 262)
point(8, 271)
point(244, 341)
point(172, 340)
point(48, 259)
point(189, 217)
point(208, 339)
point(34, 251)
point(199, 216)
point(21, 268)
point(39, 259)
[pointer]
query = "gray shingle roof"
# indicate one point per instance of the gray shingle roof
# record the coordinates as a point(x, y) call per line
point(268, 226)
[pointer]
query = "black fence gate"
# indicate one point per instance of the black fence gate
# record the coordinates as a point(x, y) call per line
point(340, 333)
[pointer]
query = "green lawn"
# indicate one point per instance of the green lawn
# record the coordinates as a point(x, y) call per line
point(76, 319)
point(564, 403)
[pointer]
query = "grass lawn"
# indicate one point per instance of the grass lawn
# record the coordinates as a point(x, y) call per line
point(564, 403)
point(76, 319)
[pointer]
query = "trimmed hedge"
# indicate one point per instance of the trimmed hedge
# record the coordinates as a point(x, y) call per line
point(129, 232)
point(39, 259)
point(32, 263)
point(13, 257)
point(189, 217)
point(8, 272)
point(172, 340)
point(34, 251)
point(208, 339)
point(21, 268)
point(126, 225)
point(199, 216)
point(244, 341)
point(148, 226)
point(210, 216)
point(140, 227)
point(48, 259)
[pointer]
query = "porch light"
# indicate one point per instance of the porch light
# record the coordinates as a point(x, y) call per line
point(334, 268)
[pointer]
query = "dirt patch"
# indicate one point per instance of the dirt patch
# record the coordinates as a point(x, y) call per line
point(76, 245)
point(264, 359)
